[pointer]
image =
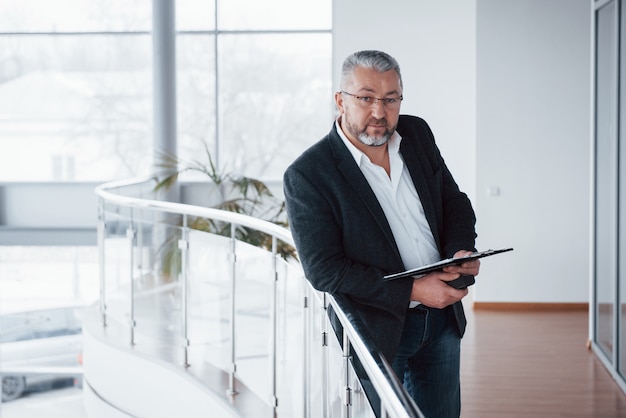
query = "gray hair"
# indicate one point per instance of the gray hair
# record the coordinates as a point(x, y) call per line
point(375, 60)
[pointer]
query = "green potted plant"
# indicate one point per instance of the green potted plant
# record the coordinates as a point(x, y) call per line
point(235, 193)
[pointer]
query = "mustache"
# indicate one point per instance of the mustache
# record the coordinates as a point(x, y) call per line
point(382, 121)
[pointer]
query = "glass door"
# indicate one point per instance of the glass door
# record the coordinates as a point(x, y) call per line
point(606, 131)
point(621, 312)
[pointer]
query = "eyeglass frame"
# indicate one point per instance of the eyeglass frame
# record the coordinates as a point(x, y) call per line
point(384, 100)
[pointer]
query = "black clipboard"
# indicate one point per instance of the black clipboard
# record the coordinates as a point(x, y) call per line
point(422, 271)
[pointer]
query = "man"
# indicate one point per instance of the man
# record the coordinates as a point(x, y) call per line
point(375, 197)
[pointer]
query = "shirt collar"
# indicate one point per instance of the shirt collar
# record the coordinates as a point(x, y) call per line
point(393, 144)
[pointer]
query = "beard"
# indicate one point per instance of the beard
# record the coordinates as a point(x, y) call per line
point(369, 140)
point(373, 141)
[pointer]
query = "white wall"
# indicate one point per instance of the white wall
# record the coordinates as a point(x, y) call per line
point(533, 146)
point(505, 87)
point(434, 42)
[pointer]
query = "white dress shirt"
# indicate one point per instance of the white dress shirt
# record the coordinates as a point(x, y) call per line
point(400, 202)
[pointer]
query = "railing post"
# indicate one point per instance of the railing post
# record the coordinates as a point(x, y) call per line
point(139, 242)
point(101, 256)
point(325, 384)
point(306, 348)
point(233, 263)
point(347, 400)
point(131, 235)
point(183, 245)
point(274, 319)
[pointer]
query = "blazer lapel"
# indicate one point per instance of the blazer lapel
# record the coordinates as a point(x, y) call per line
point(349, 169)
point(415, 161)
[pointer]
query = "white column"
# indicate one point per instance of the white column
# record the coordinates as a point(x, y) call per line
point(164, 83)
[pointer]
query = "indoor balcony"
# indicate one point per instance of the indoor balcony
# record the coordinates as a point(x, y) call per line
point(191, 323)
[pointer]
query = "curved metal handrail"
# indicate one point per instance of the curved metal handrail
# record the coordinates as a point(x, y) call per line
point(103, 191)
point(396, 401)
point(379, 370)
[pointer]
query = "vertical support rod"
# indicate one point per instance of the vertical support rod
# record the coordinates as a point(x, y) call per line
point(306, 348)
point(183, 244)
point(233, 264)
point(325, 378)
point(139, 243)
point(274, 325)
point(131, 236)
point(347, 401)
point(102, 259)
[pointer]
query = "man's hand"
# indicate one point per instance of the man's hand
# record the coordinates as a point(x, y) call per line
point(433, 291)
point(469, 268)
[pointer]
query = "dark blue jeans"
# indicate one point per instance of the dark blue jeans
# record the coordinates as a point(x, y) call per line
point(428, 361)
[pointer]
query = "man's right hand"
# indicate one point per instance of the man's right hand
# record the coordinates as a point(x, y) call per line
point(433, 291)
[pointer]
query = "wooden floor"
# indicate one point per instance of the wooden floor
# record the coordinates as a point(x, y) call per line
point(534, 364)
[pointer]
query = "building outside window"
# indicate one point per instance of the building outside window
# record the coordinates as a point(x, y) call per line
point(76, 85)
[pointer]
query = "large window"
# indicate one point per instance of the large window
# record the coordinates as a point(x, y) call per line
point(253, 83)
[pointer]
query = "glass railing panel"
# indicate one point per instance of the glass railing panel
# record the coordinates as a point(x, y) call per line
point(335, 371)
point(115, 264)
point(327, 377)
point(157, 299)
point(359, 407)
point(209, 324)
point(253, 318)
point(292, 338)
point(315, 361)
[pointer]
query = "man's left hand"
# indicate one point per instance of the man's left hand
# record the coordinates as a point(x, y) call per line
point(469, 268)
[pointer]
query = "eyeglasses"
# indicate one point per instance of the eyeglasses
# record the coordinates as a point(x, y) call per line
point(367, 101)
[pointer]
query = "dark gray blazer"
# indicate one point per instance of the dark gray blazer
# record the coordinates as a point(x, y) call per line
point(343, 239)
